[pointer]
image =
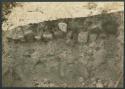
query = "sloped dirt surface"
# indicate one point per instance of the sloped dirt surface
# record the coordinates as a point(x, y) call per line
point(86, 52)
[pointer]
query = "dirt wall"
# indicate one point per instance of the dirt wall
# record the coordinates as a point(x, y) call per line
point(86, 52)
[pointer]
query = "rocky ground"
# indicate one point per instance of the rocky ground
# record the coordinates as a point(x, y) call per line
point(70, 52)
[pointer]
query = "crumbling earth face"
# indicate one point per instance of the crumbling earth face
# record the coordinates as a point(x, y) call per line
point(74, 52)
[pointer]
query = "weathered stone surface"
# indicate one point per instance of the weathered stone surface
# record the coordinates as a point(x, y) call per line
point(47, 36)
point(62, 26)
point(83, 37)
point(37, 37)
point(92, 37)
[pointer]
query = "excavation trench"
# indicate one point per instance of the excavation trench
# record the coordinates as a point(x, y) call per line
point(89, 50)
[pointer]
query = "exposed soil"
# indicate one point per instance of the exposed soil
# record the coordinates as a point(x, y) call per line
point(89, 53)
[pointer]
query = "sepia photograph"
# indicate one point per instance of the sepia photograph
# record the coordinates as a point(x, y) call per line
point(63, 44)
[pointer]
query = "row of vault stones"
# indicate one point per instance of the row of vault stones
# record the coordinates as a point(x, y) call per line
point(75, 31)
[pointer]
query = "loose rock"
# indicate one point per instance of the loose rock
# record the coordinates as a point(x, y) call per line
point(37, 37)
point(83, 37)
point(47, 36)
point(62, 26)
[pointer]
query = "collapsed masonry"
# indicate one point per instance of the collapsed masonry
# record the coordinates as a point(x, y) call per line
point(70, 52)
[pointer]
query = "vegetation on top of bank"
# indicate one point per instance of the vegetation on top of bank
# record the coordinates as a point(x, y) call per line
point(6, 9)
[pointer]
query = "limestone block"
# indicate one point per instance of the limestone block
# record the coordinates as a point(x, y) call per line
point(62, 26)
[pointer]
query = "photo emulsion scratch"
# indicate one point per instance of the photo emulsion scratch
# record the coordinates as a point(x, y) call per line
point(62, 44)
